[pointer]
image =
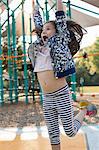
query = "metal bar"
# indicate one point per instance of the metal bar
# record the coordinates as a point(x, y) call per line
point(1, 76)
point(73, 76)
point(85, 9)
point(4, 3)
point(15, 59)
point(82, 8)
point(9, 61)
point(73, 86)
point(69, 9)
point(11, 14)
point(52, 7)
point(46, 8)
point(24, 52)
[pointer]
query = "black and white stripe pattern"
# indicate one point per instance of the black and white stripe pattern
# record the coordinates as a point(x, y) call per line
point(59, 103)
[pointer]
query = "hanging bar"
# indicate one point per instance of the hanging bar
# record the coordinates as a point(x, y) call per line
point(82, 8)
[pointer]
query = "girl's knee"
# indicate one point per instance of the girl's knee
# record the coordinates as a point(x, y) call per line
point(72, 134)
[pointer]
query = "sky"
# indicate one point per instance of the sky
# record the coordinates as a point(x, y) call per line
point(90, 37)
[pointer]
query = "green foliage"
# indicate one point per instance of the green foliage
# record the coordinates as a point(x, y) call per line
point(88, 68)
point(5, 53)
point(96, 58)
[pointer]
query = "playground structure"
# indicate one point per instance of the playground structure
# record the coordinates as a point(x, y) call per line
point(11, 30)
point(15, 70)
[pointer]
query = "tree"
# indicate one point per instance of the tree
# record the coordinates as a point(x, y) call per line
point(87, 65)
point(96, 58)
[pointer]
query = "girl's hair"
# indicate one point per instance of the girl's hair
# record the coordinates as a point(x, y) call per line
point(76, 35)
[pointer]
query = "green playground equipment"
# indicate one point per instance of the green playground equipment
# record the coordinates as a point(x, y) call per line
point(1, 75)
point(12, 56)
point(10, 71)
point(15, 59)
point(24, 52)
point(73, 76)
point(12, 67)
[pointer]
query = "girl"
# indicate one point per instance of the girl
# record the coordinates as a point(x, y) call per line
point(51, 57)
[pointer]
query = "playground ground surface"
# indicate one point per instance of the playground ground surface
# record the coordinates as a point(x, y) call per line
point(22, 127)
point(90, 89)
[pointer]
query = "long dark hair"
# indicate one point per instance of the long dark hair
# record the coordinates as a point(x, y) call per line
point(76, 35)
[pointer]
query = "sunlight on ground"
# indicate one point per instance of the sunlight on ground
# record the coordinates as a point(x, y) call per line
point(88, 137)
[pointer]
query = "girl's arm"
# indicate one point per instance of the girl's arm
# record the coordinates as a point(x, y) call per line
point(61, 21)
point(31, 54)
point(37, 18)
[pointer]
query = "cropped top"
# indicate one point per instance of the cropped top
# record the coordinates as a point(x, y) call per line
point(43, 61)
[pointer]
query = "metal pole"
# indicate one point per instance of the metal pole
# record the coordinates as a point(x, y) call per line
point(46, 9)
point(1, 77)
point(73, 86)
point(15, 59)
point(9, 59)
point(69, 9)
point(24, 52)
point(73, 76)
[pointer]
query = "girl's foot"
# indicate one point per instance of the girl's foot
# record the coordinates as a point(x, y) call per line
point(91, 108)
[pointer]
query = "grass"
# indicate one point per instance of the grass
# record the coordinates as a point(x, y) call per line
point(90, 89)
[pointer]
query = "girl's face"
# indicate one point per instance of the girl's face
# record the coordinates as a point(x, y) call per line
point(48, 31)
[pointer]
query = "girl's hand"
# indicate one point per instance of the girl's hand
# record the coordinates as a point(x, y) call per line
point(33, 4)
point(59, 5)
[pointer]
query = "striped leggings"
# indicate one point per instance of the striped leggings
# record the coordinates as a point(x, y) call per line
point(59, 103)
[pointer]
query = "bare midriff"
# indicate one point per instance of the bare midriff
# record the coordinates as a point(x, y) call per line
point(48, 81)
